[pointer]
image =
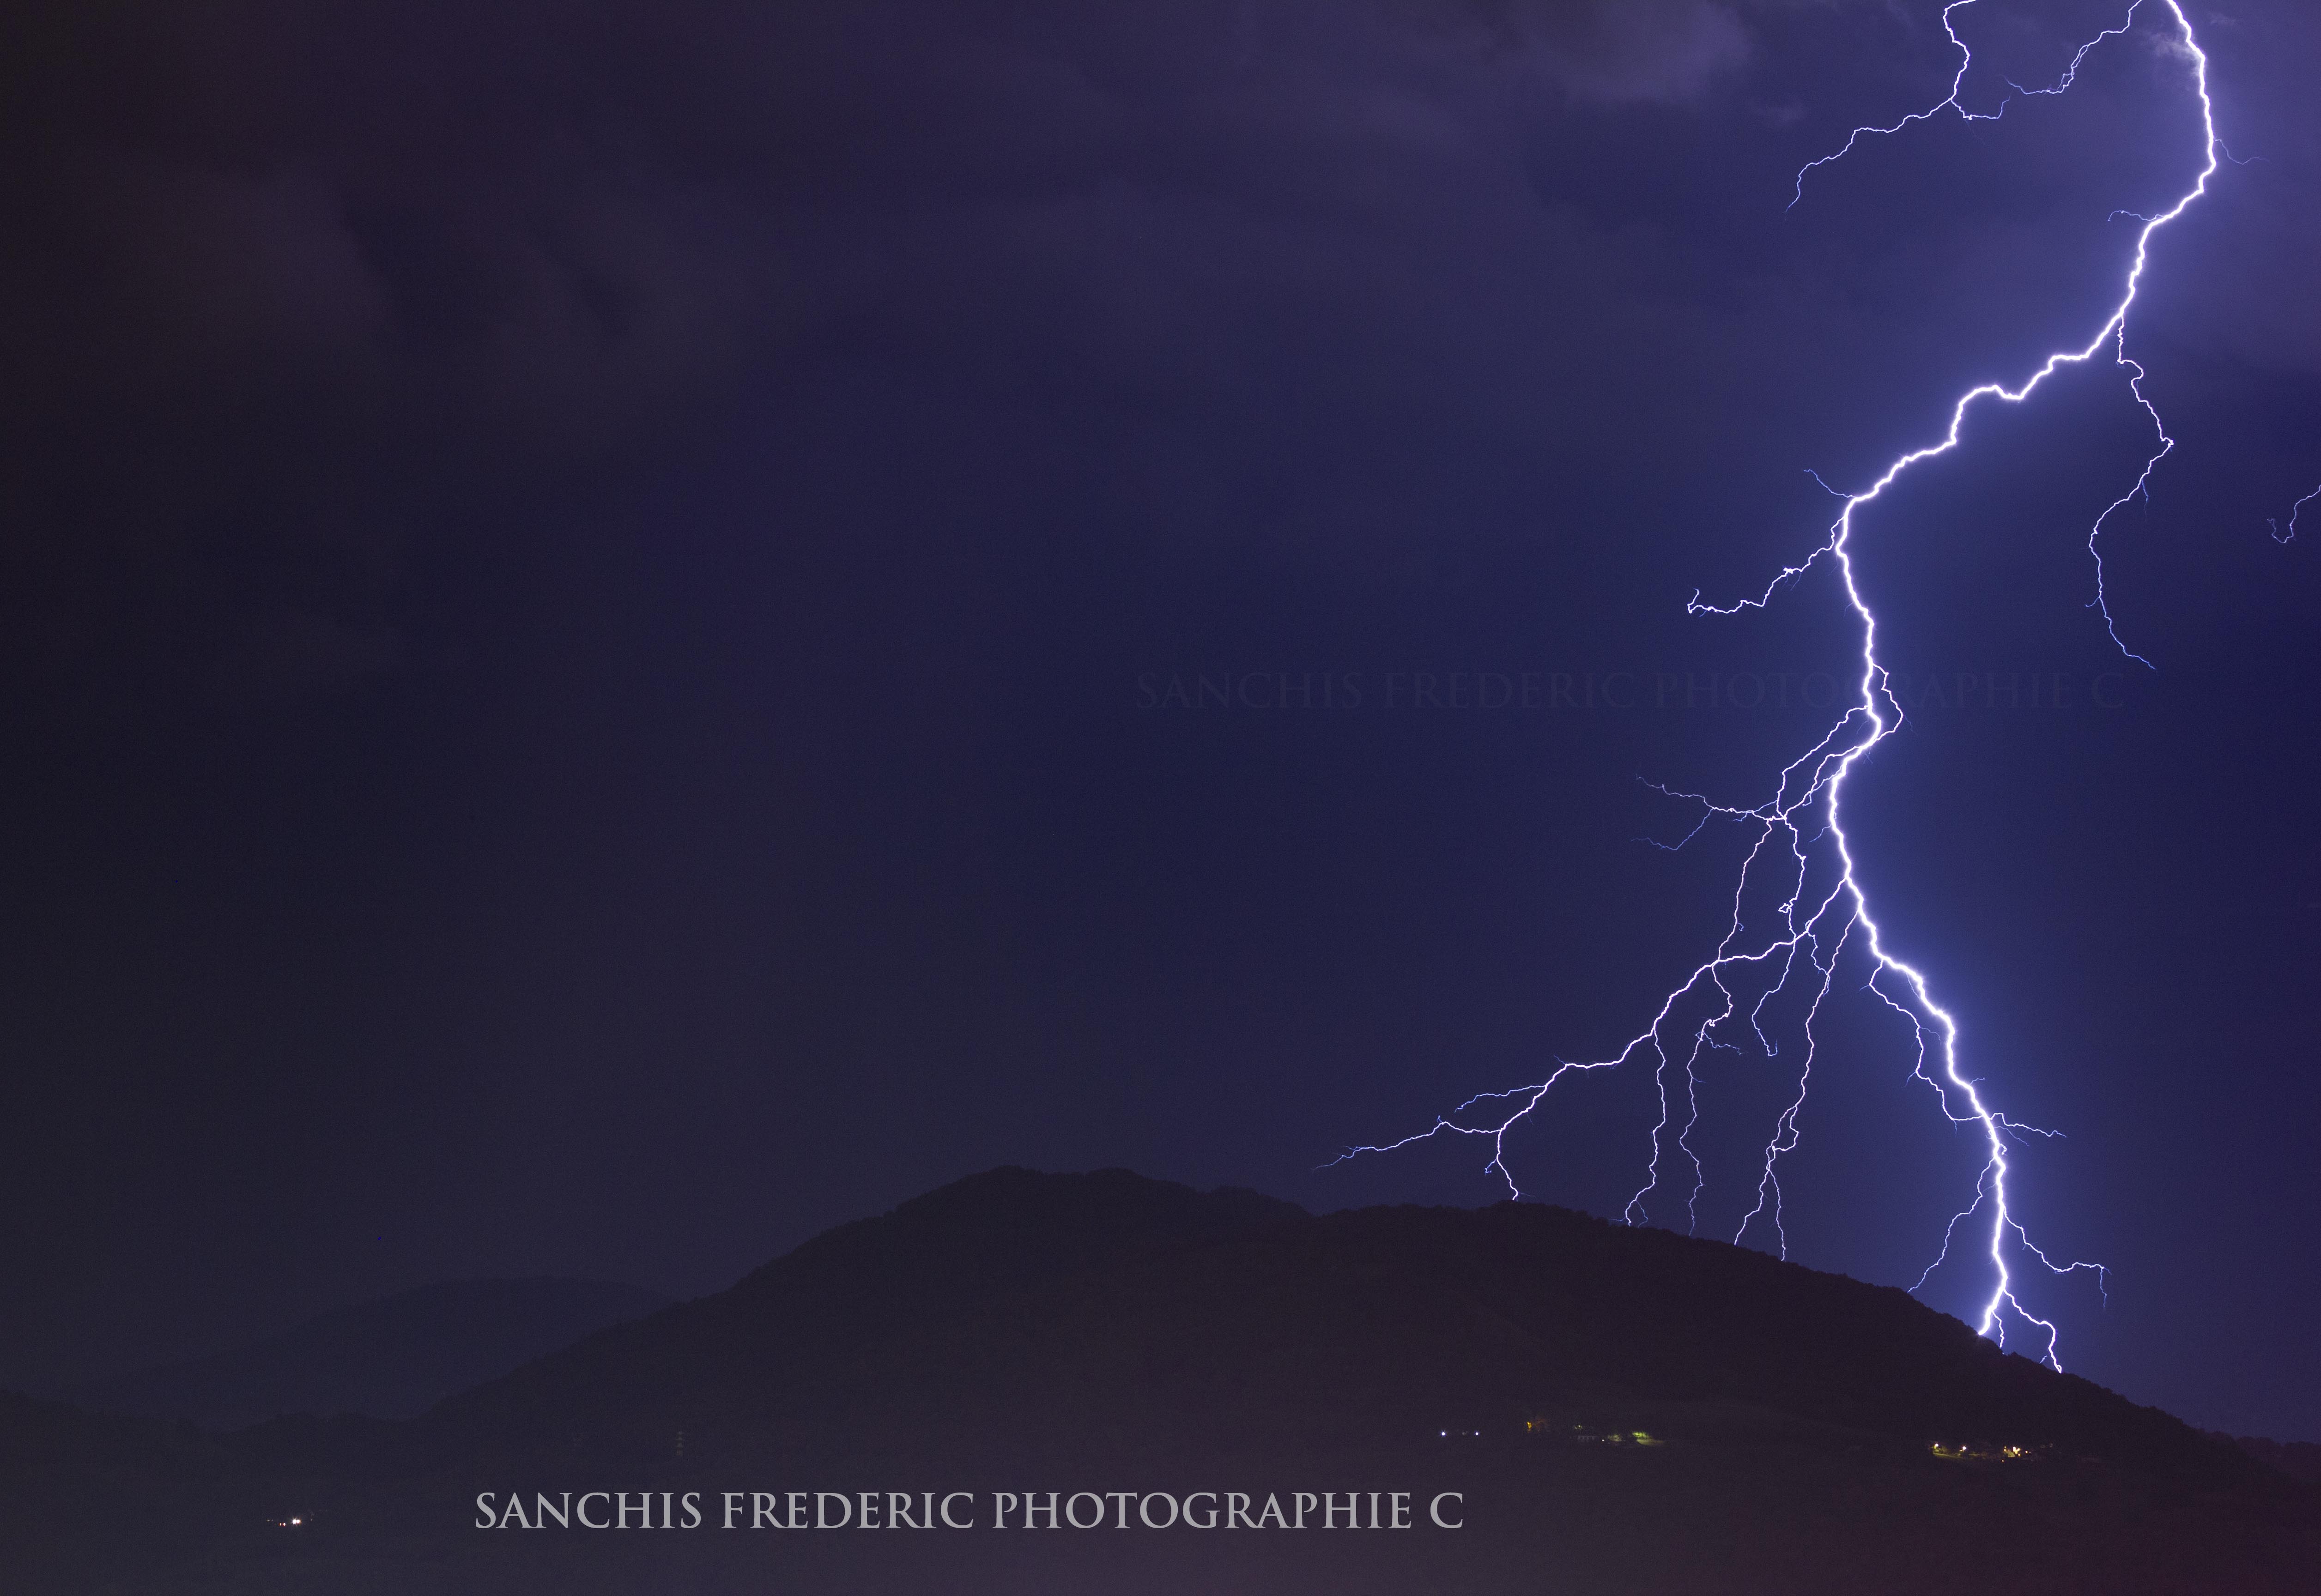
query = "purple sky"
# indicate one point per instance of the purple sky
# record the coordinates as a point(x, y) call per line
point(593, 592)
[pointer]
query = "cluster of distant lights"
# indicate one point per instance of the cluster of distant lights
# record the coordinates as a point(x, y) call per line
point(1966, 1451)
point(1575, 1432)
point(1949, 1451)
point(1813, 926)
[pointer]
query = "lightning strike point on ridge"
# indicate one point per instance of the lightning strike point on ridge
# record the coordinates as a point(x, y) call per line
point(1800, 841)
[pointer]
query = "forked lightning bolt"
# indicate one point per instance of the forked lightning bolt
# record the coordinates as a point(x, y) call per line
point(1800, 856)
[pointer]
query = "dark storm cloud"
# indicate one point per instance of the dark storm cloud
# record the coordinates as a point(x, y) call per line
point(373, 230)
point(1604, 52)
point(375, 257)
point(550, 217)
point(326, 279)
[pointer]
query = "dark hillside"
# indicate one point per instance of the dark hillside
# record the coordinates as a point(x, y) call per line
point(1617, 1409)
point(393, 1358)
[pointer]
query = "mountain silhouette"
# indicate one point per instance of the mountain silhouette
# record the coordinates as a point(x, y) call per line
point(391, 1358)
point(1599, 1409)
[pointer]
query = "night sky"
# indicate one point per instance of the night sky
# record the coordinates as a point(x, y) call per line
point(607, 606)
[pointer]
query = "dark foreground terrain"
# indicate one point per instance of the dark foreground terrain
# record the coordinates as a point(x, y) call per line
point(1598, 1408)
point(393, 1358)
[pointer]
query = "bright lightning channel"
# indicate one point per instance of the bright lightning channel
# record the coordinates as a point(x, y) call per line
point(1801, 842)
